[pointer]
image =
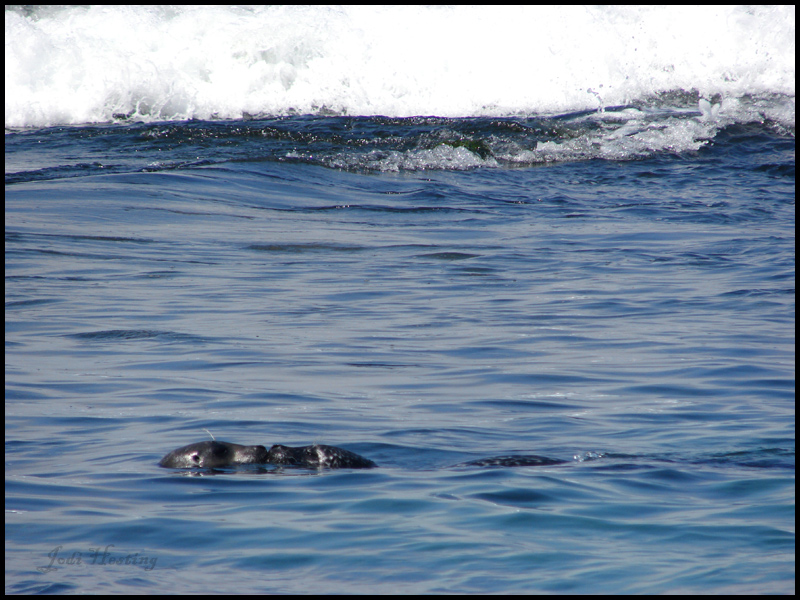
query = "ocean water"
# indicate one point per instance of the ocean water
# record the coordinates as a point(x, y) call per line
point(426, 235)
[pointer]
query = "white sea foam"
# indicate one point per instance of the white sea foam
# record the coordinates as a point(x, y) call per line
point(78, 64)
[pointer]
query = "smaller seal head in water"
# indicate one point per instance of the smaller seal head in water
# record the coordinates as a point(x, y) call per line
point(516, 460)
point(212, 455)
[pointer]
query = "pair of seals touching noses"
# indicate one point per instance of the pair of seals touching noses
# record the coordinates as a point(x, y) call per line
point(213, 455)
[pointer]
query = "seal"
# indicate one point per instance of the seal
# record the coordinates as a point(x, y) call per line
point(212, 455)
point(317, 456)
point(515, 460)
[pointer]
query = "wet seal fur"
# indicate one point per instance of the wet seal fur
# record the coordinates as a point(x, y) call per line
point(317, 456)
point(214, 455)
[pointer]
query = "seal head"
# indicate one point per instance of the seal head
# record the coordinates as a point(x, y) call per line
point(516, 460)
point(212, 455)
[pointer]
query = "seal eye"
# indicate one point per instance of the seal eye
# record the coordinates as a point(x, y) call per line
point(196, 458)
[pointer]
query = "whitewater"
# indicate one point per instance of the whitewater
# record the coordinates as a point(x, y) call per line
point(93, 65)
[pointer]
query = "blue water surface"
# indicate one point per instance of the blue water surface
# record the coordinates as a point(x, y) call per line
point(634, 318)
